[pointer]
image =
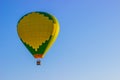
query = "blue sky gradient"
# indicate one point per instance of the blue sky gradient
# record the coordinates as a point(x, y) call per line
point(87, 48)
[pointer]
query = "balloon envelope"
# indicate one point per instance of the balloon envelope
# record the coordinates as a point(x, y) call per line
point(38, 31)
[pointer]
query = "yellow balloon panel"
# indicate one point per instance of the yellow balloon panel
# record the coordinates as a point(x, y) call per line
point(34, 29)
point(55, 34)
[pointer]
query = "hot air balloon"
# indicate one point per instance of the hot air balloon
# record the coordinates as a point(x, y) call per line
point(38, 31)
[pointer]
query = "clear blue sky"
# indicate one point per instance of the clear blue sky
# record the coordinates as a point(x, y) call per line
point(87, 48)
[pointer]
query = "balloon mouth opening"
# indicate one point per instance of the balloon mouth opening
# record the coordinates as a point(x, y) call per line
point(38, 56)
